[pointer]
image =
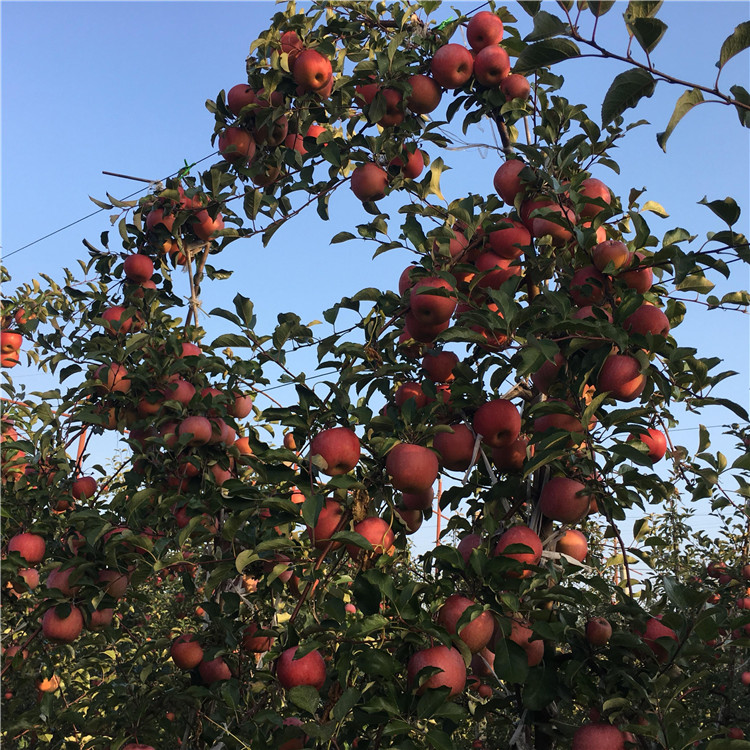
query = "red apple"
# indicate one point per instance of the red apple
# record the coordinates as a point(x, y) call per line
point(31, 547)
point(214, 670)
point(338, 447)
point(485, 29)
point(735, 733)
point(640, 278)
point(574, 544)
point(312, 71)
point(598, 631)
point(418, 500)
point(411, 519)
point(308, 670)
point(83, 488)
point(448, 660)
point(199, 429)
point(413, 391)
point(101, 618)
point(378, 532)
point(412, 468)
point(587, 286)
point(598, 737)
point(423, 332)
point(565, 500)
point(257, 644)
point(115, 582)
point(647, 319)
point(138, 268)
point(510, 458)
point(498, 422)
point(477, 633)
point(369, 182)
point(425, 94)
point(452, 66)
point(328, 520)
point(491, 65)
point(236, 144)
point(116, 320)
point(543, 216)
point(205, 227)
point(509, 241)
point(621, 376)
point(410, 163)
point(507, 181)
point(456, 448)
point(498, 270)
point(515, 86)
point(596, 189)
point(520, 535)
point(655, 630)
point(159, 216)
point(432, 309)
point(522, 635)
point(62, 629)
point(467, 544)
point(655, 441)
point(186, 652)
point(439, 365)
point(60, 580)
point(240, 96)
point(611, 252)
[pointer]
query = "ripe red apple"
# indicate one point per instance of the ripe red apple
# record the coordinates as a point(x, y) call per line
point(587, 286)
point(448, 660)
point(511, 457)
point(485, 29)
point(520, 535)
point(598, 631)
point(412, 468)
point(598, 737)
point(647, 319)
point(31, 547)
point(548, 373)
point(611, 252)
point(394, 107)
point(410, 390)
point(62, 629)
point(378, 532)
point(240, 96)
point(522, 635)
point(498, 422)
point(560, 500)
point(410, 163)
point(205, 227)
point(411, 519)
point(439, 365)
point(214, 670)
point(452, 65)
point(138, 268)
point(328, 520)
point(10, 341)
point(418, 500)
point(236, 144)
point(596, 189)
point(115, 582)
point(498, 269)
point(509, 240)
point(491, 65)
point(257, 644)
point(428, 308)
point(655, 441)
point(745, 678)
point(477, 633)
point(28, 579)
point(515, 86)
point(159, 216)
point(421, 331)
point(425, 95)
point(308, 670)
point(641, 279)
point(312, 71)
point(574, 544)
point(507, 181)
point(186, 652)
point(369, 182)
point(101, 618)
point(467, 544)
point(543, 216)
point(338, 447)
point(621, 376)
point(655, 630)
point(735, 733)
point(60, 580)
point(456, 448)
point(199, 429)
point(116, 320)
point(83, 488)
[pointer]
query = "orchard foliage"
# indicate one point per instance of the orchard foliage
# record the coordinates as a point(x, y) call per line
point(240, 574)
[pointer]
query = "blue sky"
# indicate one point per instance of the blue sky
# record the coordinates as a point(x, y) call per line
point(121, 86)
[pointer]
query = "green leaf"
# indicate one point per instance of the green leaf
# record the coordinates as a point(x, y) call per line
point(655, 208)
point(728, 745)
point(641, 9)
point(231, 340)
point(349, 698)
point(695, 283)
point(305, 697)
point(101, 204)
point(436, 169)
point(244, 559)
point(244, 307)
point(530, 6)
point(342, 237)
point(543, 54)
point(626, 91)
point(742, 96)
point(600, 7)
point(545, 26)
point(738, 40)
point(727, 210)
point(685, 103)
point(647, 31)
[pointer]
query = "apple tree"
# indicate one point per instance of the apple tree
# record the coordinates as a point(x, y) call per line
point(240, 573)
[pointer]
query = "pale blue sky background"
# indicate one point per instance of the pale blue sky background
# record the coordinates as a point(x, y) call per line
point(121, 86)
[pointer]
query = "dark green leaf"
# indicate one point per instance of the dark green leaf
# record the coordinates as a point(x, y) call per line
point(738, 40)
point(545, 26)
point(743, 97)
point(543, 54)
point(600, 7)
point(685, 103)
point(647, 31)
point(345, 703)
point(727, 210)
point(305, 697)
point(531, 6)
point(626, 91)
point(231, 340)
point(342, 237)
point(244, 307)
point(642, 9)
